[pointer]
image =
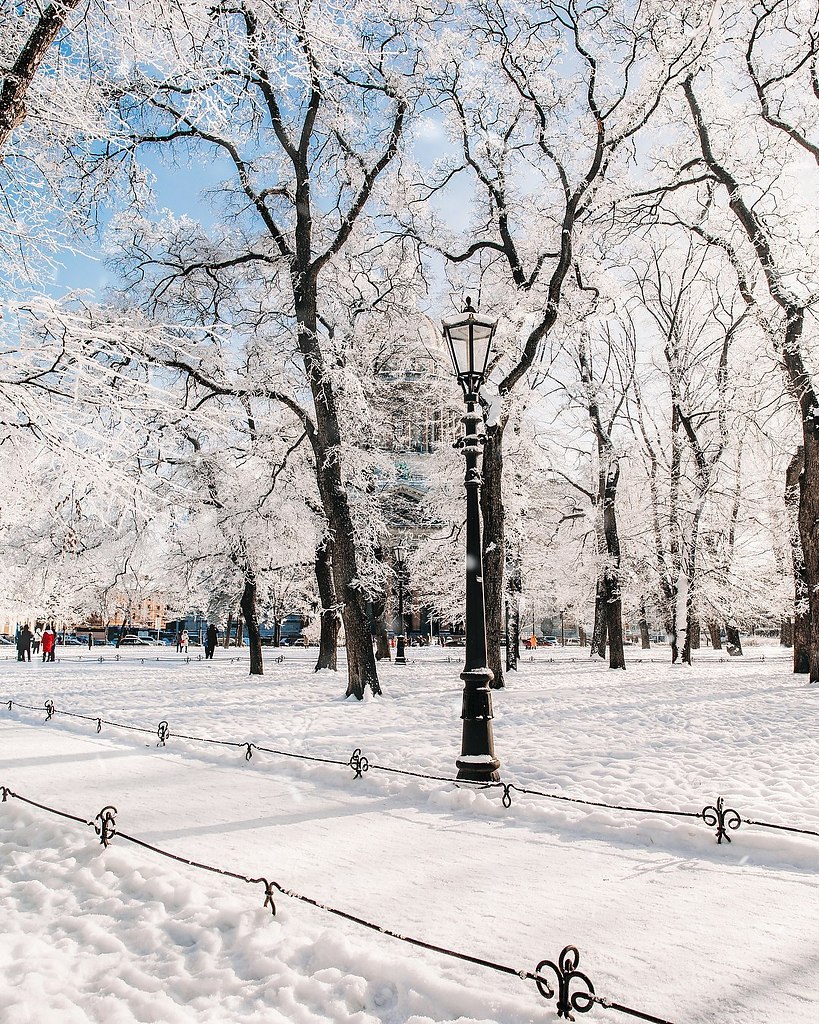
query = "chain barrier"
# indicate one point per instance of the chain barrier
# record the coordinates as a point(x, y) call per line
point(565, 969)
point(528, 657)
point(714, 815)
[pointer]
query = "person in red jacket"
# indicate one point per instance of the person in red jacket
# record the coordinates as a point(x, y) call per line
point(49, 640)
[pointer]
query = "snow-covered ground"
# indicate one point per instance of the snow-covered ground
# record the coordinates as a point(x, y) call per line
point(666, 921)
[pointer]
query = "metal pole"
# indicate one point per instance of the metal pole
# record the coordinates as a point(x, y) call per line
point(477, 761)
point(400, 658)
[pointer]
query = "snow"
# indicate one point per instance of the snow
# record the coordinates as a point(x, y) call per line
point(666, 921)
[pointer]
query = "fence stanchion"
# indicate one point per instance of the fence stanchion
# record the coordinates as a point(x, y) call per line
point(163, 732)
point(358, 763)
point(566, 972)
point(106, 829)
point(721, 816)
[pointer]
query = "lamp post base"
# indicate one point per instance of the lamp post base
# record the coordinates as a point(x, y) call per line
point(477, 762)
point(400, 657)
point(478, 769)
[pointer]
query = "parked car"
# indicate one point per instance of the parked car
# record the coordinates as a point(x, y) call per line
point(73, 641)
point(547, 641)
point(131, 641)
point(455, 641)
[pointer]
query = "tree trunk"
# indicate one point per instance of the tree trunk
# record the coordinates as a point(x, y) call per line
point(809, 533)
point(691, 625)
point(786, 631)
point(801, 644)
point(514, 588)
point(600, 631)
point(694, 632)
point(801, 632)
point(714, 633)
point(326, 441)
point(494, 548)
point(125, 624)
point(671, 629)
point(382, 640)
point(248, 604)
point(645, 638)
point(512, 636)
point(240, 630)
point(378, 608)
point(614, 627)
point(610, 474)
point(18, 78)
point(228, 630)
point(733, 642)
point(328, 616)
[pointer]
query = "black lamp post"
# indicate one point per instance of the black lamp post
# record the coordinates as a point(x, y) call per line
point(469, 337)
point(400, 657)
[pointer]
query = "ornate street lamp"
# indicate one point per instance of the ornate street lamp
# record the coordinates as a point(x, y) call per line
point(400, 658)
point(469, 337)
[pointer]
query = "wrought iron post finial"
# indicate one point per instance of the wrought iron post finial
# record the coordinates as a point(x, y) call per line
point(566, 972)
point(358, 763)
point(106, 829)
point(723, 817)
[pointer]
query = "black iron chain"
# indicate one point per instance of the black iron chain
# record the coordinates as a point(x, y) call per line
point(715, 815)
point(565, 969)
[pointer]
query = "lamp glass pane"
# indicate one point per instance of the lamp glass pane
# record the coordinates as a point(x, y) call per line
point(458, 337)
point(482, 343)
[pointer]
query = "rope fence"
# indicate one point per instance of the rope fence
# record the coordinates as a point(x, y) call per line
point(573, 988)
point(717, 815)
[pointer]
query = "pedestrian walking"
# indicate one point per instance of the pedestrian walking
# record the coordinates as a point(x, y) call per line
point(24, 644)
point(184, 640)
point(211, 638)
point(49, 640)
point(90, 641)
point(35, 641)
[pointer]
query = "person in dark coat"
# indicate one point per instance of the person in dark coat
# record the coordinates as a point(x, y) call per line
point(211, 638)
point(24, 644)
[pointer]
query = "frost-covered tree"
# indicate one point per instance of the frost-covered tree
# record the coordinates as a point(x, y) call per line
point(540, 112)
point(740, 170)
point(303, 108)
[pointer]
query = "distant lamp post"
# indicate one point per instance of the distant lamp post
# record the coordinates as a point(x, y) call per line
point(469, 337)
point(400, 657)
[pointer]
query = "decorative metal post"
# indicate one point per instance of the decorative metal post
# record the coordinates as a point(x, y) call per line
point(469, 338)
point(400, 657)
